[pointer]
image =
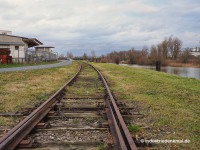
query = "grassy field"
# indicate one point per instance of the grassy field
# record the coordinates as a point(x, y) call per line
point(170, 104)
point(23, 65)
point(26, 89)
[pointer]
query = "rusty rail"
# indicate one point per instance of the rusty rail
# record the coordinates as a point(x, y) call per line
point(120, 133)
point(121, 136)
point(18, 133)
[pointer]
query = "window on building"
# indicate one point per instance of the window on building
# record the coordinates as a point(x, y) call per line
point(16, 47)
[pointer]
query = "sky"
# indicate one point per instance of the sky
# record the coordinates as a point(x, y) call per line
point(102, 26)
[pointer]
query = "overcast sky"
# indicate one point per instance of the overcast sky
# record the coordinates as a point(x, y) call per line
point(102, 25)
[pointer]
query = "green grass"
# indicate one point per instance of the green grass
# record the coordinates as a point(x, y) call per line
point(102, 146)
point(8, 121)
point(134, 128)
point(76, 121)
point(23, 65)
point(170, 103)
point(28, 88)
point(88, 83)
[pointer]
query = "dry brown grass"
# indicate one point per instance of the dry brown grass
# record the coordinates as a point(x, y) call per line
point(178, 64)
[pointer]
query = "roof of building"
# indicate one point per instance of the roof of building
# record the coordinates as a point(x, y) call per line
point(44, 46)
point(30, 41)
point(5, 32)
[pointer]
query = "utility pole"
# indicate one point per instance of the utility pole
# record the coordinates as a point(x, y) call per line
point(199, 46)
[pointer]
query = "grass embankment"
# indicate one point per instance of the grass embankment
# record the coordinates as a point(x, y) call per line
point(26, 89)
point(24, 65)
point(171, 104)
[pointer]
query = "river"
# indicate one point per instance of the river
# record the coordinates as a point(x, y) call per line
point(189, 72)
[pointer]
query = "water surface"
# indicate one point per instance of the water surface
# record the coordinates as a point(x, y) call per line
point(189, 72)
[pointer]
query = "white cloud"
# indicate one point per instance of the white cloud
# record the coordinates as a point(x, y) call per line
point(101, 25)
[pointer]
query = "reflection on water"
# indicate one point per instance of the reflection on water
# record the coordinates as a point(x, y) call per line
point(180, 71)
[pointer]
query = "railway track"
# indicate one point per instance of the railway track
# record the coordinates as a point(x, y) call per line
point(82, 115)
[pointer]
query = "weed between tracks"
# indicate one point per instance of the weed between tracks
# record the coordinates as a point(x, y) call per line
point(102, 146)
point(170, 103)
point(134, 128)
point(87, 84)
point(26, 89)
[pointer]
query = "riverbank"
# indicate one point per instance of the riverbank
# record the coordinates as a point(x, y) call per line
point(170, 104)
point(188, 72)
point(172, 64)
point(177, 64)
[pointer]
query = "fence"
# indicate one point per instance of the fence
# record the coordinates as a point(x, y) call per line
point(33, 57)
point(27, 60)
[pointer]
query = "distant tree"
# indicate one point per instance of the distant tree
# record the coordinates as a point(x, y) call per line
point(93, 54)
point(198, 60)
point(145, 50)
point(61, 56)
point(103, 59)
point(184, 56)
point(131, 56)
point(116, 59)
point(70, 55)
point(165, 48)
point(170, 46)
point(142, 59)
point(160, 52)
point(153, 56)
point(174, 47)
point(85, 57)
point(177, 48)
point(156, 54)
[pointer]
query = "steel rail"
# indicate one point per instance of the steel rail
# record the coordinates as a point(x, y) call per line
point(12, 138)
point(121, 136)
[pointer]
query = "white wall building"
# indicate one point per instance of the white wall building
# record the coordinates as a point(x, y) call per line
point(17, 45)
point(195, 52)
point(45, 52)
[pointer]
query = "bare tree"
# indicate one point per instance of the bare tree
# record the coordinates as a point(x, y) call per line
point(115, 57)
point(61, 56)
point(184, 56)
point(174, 47)
point(142, 59)
point(145, 50)
point(93, 54)
point(160, 52)
point(177, 48)
point(165, 48)
point(170, 46)
point(153, 56)
point(131, 56)
point(85, 56)
point(70, 55)
point(198, 60)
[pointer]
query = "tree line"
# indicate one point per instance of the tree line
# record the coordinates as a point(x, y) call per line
point(167, 50)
